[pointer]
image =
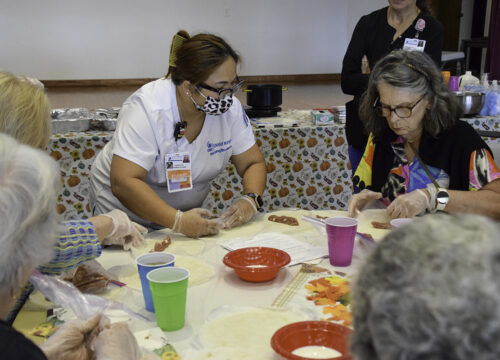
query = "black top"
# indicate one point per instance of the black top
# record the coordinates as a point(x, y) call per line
point(449, 151)
point(373, 37)
point(14, 346)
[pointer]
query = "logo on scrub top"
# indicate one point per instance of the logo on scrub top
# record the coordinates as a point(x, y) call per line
point(220, 147)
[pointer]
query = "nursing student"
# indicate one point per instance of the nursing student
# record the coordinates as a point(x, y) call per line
point(174, 136)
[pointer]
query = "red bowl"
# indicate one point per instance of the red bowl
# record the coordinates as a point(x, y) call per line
point(257, 264)
point(311, 333)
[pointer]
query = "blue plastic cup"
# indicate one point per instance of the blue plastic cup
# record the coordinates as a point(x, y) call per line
point(146, 263)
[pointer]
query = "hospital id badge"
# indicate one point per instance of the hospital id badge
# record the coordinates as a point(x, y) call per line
point(414, 45)
point(178, 172)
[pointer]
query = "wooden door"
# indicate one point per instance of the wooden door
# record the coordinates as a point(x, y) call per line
point(449, 12)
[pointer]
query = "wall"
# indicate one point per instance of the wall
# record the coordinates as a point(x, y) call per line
point(466, 20)
point(113, 39)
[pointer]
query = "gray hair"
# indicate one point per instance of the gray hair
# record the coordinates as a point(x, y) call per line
point(29, 181)
point(416, 71)
point(431, 290)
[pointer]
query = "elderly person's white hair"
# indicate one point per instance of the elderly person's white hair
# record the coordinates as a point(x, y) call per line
point(431, 290)
point(29, 180)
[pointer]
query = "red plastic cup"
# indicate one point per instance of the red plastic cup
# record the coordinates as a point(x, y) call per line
point(341, 232)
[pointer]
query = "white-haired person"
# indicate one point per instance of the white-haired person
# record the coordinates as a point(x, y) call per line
point(25, 115)
point(430, 290)
point(29, 180)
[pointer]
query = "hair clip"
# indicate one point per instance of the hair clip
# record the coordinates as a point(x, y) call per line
point(421, 72)
point(177, 42)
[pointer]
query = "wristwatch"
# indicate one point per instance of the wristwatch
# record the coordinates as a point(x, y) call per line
point(442, 198)
point(257, 199)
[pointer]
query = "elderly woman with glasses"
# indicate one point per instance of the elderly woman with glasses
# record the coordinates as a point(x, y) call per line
point(420, 157)
point(174, 136)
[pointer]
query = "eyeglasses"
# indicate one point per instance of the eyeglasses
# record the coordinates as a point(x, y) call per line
point(400, 111)
point(223, 92)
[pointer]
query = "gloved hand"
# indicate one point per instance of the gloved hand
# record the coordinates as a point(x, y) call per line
point(71, 340)
point(116, 341)
point(125, 232)
point(359, 201)
point(408, 205)
point(239, 213)
point(195, 223)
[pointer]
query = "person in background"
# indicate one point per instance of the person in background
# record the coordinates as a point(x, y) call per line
point(189, 120)
point(25, 115)
point(29, 180)
point(420, 157)
point(429, 290)
point(401, 25)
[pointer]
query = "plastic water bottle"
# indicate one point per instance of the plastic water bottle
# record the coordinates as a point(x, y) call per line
point(491, 100)
point(467, 81)
point(495, 88)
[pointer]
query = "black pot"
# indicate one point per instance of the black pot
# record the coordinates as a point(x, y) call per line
point(264, 96)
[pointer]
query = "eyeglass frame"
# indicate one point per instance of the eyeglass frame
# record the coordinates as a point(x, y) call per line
point(395, 109)
point(235, 88)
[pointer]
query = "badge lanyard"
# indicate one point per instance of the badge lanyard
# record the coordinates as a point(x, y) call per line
point(416, 44)
point(178, 164)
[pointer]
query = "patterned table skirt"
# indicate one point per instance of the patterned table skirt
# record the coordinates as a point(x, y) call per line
point(307, 166)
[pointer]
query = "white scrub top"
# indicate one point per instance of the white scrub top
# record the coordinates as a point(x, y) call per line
point(145, 135)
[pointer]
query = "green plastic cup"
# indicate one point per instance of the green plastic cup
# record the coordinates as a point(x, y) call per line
point(169, 288)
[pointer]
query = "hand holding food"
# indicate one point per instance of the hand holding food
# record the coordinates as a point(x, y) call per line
point(71, 341)
point(195, 223)
point(89, 277)
point(359, 201)
point(116, 341)
point(408, 205)
point(239, 213)
point(125, 232)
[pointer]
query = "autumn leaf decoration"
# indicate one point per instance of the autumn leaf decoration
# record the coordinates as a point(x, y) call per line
point(333, 294)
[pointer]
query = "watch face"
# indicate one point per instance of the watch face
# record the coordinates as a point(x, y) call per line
point(442, 197)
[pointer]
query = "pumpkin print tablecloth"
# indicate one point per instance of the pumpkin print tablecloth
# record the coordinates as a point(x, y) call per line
point(308, 168)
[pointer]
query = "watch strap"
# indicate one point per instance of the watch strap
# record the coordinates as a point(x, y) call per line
point(257, 199)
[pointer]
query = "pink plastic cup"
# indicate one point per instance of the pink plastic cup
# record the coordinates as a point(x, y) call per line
point(453, 84)
point(341, 232)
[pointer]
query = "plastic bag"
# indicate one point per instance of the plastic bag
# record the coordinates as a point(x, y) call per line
point(66, 295)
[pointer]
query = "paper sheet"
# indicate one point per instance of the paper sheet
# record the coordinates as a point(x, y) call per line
point(299, 251)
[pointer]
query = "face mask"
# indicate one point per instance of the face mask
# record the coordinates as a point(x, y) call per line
point(213, 106)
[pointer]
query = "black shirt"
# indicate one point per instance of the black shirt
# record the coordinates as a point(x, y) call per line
point(373, 37)
point(449, 151)
point(13, 345)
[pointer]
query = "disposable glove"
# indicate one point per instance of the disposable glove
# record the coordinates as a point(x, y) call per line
point(116, 341)
point(408, 205)
point(125, 232)
point(195, 223)
point(359, 201)
point(239, 213)
point(71, 341)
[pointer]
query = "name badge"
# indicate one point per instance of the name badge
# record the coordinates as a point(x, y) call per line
point(412, 44)
point(178, 171)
